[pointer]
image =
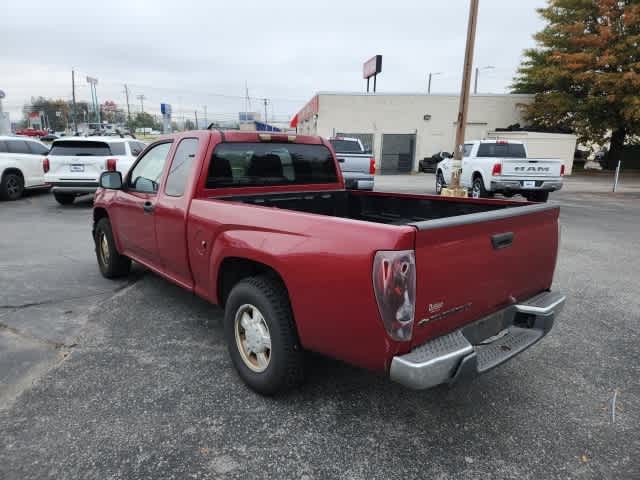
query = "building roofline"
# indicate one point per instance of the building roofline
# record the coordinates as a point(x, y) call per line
point(422, 94)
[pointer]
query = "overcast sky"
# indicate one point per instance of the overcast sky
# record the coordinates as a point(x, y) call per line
point(195, 53)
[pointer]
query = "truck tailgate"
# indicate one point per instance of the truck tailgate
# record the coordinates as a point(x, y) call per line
point(350, 162)
point(470, 266)
point(531, 167)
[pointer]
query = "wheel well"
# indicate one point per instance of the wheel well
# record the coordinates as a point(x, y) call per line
point(477, 175)
point(234, 269)
point(99, 213)
point(13, 170)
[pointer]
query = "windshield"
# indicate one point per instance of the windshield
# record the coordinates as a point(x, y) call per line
point(505, 150)
point(75, 148)
point(255, 164)
point(346, 146)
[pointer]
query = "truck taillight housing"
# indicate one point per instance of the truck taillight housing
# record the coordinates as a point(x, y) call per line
point(497, 169)
point(394, 284)
point(111, 164)
point(45, 165)
point(562, 170)
point(372, 166)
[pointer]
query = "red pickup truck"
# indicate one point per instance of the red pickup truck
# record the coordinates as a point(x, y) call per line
point(425, 289)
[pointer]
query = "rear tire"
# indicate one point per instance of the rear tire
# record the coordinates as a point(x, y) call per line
point(439, 182)
point(11, 186)
point(112, 264)
point(477, 188)
point(64, 198)
point(257, 314)
point(537, 196)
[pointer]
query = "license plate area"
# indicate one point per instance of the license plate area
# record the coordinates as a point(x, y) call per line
point(529, 183)
point(76, 168)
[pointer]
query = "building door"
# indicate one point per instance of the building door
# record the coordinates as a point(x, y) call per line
point(398, 152)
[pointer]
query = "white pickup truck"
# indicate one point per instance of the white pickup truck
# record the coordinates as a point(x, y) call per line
point(500, 166)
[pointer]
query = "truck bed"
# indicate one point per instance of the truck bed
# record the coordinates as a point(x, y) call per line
point(377, 207)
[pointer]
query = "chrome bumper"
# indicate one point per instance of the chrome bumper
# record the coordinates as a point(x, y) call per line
point(516, 185)
point(480, 346)
point(74, 187)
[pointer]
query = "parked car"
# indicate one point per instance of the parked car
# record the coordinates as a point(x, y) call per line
point(500, 166)
point(31, 132)
point(262, 225)
point(428, 164)
point(74, 164)
point(50, 137)
point(358, 167)
point(20, 166)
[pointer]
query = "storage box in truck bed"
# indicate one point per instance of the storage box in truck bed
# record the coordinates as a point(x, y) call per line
point(426, 289)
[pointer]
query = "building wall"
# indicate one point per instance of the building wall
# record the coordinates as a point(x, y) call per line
point(405, 114)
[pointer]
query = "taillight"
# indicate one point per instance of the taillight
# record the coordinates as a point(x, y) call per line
point(372, 166)
point(562, 170)
point(394, 284)
point(111, 164)
point(497, 169)
point(45, 165)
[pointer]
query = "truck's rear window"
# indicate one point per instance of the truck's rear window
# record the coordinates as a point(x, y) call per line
point(78, 148)
point(508, 150)
point(345, 146)
point(255, 164)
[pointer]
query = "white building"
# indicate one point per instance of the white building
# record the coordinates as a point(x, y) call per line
point(402, 128)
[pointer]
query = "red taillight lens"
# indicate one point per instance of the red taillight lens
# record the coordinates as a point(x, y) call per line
point(497, 169)
point(111, 164)
point(372, 166)
point(45, 165)
point(562, 170)
point(394, 283)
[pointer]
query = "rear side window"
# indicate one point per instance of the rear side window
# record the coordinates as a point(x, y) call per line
point(346, 146)
point(71, 148)
point(117, 148)
point(256, 164)
point(181, 167)
point(37, 149)
point(136, 148)
point(508, 150)
point(17, 146)
point(467, 149)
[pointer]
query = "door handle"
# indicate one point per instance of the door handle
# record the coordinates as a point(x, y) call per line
point(148, 207)
point(502, 240)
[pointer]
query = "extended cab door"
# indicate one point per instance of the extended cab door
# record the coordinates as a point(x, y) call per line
point(134, 207)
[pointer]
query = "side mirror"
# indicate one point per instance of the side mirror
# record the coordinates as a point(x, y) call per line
point(111, 180)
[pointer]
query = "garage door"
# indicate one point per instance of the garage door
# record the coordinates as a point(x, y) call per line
point(398, 151)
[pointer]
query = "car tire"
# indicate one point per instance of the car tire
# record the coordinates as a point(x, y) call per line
point(64, 198)
point(541, 197)
point(477, 188)
point(439, 182)
point(112, 264)
point(258, 309)
point(11, 186)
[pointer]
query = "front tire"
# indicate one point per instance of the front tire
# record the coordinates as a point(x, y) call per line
point(64, 198)
point(11, 186)
point(261, 335)
point(112, 264)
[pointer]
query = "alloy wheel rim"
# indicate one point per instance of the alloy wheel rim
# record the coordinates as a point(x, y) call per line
point(104, 249)
point(253, 338)
point(475, 192)
point(12, 186)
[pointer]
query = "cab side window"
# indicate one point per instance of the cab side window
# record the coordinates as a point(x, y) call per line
point(181, 167)
point(146, 174)
point(17, 146)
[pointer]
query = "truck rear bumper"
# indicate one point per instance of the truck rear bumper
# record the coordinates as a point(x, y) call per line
point(518, 185)
point(74, 187)
point(480, 346)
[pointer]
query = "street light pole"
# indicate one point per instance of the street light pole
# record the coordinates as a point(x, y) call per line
point(475, 84)
point(429, 83)
point(454, 190)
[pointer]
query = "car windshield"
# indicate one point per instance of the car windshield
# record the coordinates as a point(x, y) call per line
point(69, 148)
point(255, 164)
point(346, 146)
point(505, 150)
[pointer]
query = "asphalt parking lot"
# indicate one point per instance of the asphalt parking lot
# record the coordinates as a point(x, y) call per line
point(131, 379)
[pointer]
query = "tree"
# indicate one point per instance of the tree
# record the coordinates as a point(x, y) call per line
point(585, 73)
point(189, 125)
point(145, 120)
point(109, 112)
point(56, 111)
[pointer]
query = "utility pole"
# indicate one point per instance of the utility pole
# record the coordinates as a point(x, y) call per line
point(454, 190)
point(73, 97)
point(126, 93)
point(205, 116)
point(266, 101)
point(141, 98)
point(196, 114)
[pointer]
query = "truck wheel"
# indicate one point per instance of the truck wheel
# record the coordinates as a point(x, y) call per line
point(112, 264)
point(261, 335)
point(439, 182)
point(477, 189)
point(11, 187)
point(64, 198)
point(538, 196)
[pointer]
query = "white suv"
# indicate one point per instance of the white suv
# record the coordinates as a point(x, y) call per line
point(74, 165)
point(20, 166)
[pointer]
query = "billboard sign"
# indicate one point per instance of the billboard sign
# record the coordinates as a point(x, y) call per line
point(165, 109)
point(372, 67)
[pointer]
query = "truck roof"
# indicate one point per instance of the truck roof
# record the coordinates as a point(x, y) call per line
point(495, 140)
point(254, 136)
